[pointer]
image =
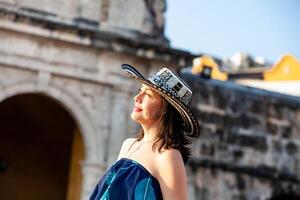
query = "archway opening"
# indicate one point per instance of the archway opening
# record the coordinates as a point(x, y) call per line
point(40, 150)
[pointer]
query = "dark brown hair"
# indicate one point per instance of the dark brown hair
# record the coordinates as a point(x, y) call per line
point(171, 133)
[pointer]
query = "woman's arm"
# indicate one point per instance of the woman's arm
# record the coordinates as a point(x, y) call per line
point(172, 176)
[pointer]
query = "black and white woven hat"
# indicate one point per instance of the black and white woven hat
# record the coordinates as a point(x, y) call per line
point(170, 86)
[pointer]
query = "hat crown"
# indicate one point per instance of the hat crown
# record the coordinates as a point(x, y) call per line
point(172, 83)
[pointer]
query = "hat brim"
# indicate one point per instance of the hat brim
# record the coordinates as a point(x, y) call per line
point(191, 125)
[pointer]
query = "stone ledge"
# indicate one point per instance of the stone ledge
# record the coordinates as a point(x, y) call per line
point(17, 62)
point(233, 88)
point(265, 172)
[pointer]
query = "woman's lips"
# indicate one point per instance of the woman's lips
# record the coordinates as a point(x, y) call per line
point(136, 109)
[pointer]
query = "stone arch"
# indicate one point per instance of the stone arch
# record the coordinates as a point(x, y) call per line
point(68, 102)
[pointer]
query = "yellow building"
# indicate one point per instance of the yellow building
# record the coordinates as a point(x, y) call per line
point(208, 67)
point(286, 69)
point(282, 77)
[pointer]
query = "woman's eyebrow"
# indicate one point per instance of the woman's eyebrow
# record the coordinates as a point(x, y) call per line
point(148, 89)
point(145, 89)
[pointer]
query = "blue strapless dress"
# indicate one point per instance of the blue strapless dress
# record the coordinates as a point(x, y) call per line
point(127, 180)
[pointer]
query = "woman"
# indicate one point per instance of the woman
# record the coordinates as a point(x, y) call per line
point(151, 166)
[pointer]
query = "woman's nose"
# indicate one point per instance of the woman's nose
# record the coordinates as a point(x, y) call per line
point(138, 98)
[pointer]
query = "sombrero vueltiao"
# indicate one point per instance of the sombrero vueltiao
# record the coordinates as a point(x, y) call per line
point(170, 86)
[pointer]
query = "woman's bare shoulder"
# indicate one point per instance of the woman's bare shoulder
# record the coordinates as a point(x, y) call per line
point(128, 142)
point(169, 160)
point(170, 155)
point(125, 146)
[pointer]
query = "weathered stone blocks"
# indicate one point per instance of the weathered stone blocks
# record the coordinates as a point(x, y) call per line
point(254, 140)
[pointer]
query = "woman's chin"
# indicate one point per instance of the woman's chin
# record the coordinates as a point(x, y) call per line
point(135, 117)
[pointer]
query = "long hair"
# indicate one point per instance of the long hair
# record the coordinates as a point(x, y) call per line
point(170, 132)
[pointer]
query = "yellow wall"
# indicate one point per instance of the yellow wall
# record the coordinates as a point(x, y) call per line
point(287, 68)
point(75, 174)
point(207, 61)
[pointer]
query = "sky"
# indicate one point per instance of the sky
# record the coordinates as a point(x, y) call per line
point(261, 28)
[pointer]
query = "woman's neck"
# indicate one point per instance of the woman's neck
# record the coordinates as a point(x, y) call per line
point(150, 132)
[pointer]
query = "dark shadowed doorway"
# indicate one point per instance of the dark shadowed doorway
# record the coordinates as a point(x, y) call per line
point(41, 150)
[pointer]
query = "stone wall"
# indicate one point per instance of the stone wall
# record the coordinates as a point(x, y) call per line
point(249, 143)
point(144, 16)
point(63, 10)
point(129, 17)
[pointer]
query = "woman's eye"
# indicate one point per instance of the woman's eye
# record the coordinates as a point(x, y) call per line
point(145, 92)
point(139, 91)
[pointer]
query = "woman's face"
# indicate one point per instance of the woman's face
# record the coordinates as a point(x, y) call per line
point(147, 107)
